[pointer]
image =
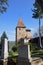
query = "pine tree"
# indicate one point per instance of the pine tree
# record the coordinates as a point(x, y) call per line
point(37, 13)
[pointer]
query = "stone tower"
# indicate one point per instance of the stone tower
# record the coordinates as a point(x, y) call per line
point(22, 32)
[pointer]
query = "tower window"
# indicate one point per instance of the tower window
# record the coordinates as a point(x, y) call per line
point(19, 28)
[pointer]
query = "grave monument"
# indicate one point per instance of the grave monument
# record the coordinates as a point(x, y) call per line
point(4, 53)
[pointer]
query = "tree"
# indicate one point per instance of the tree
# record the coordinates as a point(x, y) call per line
point(36, 34)
point(42, 31)
point(40, 2)
point(3, 5)
point(38, 11)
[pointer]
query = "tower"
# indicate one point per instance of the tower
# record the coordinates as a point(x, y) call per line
point(23, 35)
point(20, 30)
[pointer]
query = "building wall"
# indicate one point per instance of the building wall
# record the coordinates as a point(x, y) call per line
point(28, 34)
point(20, 33)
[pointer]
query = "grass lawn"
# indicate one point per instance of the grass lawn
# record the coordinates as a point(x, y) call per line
point(37, 52)
point(13, 56)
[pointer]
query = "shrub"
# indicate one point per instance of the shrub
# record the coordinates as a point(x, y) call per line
point(15, 48)
point(33, 46)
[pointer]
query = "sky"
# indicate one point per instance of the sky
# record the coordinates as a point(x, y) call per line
point(18, 9)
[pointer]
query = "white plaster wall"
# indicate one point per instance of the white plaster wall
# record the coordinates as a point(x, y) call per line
point(29, 54)
point(4, 53)
point(5, 49)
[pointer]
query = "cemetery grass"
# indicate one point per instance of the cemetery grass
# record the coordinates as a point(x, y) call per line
point(36, 53)
point(13, 56)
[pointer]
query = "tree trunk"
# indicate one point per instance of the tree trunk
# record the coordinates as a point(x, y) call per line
point(40, 33)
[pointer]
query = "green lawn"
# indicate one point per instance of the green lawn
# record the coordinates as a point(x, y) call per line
point(13, 54)
point(41, 64)
point(37, 52)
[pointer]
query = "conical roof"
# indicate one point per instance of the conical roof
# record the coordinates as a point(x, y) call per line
point(4, 35)
point(20, 23)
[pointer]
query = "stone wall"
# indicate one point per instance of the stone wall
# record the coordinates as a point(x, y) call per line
point(29, 36)
point(20, 33)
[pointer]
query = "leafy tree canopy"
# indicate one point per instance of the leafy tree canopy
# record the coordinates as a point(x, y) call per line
point(3, 5)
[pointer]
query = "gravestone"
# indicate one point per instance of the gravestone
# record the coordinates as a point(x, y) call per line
point(24, 57)
point(4, 53)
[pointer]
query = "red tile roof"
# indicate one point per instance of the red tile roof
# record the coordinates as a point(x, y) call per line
point(20, 23)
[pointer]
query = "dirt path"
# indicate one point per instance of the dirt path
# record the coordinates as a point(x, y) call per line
point(37, 61)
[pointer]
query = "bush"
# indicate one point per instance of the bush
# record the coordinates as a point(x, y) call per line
point(33, 46)
point(10, 54)
point(15, 48)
